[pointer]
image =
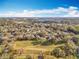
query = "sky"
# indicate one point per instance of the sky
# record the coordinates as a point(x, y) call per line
point(39, 8)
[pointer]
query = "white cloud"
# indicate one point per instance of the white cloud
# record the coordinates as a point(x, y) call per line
point(57, 12)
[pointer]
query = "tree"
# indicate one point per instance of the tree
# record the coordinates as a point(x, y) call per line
point(75, 40)
point(57, 52)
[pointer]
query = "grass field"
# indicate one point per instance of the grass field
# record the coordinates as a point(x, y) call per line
point(34, 50)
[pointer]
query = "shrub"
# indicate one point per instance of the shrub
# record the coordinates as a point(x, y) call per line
point(40, 56)
point(77, 52)
point(63, 51)
point(57, 52)
point(46, 42)
point(1, 40)
point(73, 30)
point(12, 56)
point(68, 50)
point(28, 57)
point(36, 42)
point(75, 40)
point(8, 48)
point(5, 56)
point(1, 50)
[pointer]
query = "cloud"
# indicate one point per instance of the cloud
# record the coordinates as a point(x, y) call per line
point(56, 12)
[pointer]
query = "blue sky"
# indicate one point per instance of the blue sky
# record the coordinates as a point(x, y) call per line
point(22, 6)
